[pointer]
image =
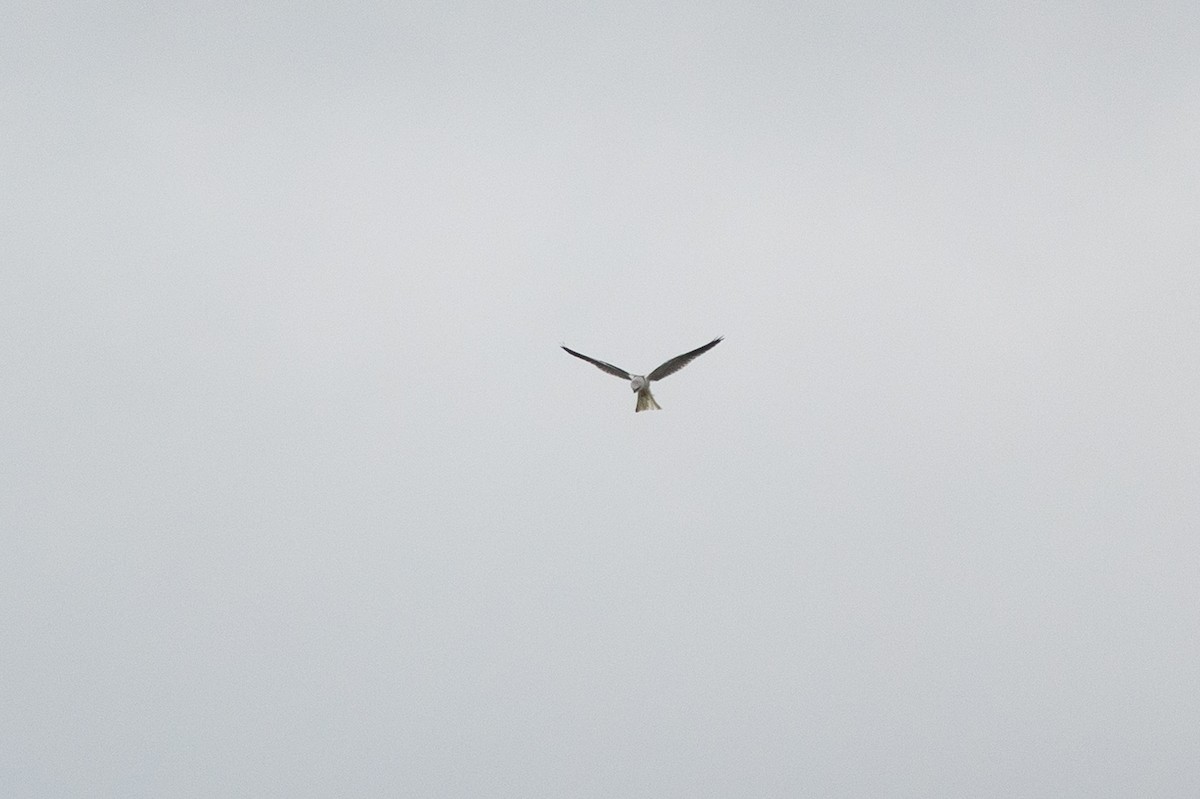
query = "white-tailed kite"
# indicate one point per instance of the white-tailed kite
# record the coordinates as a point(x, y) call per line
point(641, 383)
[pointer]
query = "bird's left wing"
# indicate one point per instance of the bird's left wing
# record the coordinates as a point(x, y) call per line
point(679, 361)
point(607, 367)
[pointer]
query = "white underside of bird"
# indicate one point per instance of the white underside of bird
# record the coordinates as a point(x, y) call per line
point(645, 400)
point(641, 383)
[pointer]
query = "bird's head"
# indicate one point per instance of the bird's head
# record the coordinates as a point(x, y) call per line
point(638, 383)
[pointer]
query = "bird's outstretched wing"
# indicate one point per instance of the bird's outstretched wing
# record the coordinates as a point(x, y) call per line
point(679, 361)
point(607, 367)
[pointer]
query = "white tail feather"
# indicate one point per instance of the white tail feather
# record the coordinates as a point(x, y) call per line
point(645, 401)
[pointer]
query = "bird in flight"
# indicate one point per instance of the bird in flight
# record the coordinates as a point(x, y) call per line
point(641, 383)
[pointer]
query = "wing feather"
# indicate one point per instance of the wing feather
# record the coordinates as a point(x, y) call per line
point(607, 367)
point(679, 361)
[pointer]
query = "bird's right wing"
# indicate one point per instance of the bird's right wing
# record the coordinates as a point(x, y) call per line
point(679, 361)
point(607, 367)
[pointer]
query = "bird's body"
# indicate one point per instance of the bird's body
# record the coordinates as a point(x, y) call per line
point(641, 383)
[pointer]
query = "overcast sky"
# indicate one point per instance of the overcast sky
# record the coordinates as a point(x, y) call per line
point(301, 498)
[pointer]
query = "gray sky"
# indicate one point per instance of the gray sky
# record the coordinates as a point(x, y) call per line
point(301, 497)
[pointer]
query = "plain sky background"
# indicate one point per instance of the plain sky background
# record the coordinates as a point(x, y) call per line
point(300, 496)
